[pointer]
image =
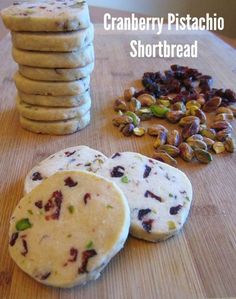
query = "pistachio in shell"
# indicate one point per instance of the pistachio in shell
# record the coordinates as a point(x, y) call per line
point(212, 104)
point(187, 120)
point(196, 144)
point(146, 100)
point(174, 116)
point(190, 129)
point(186, 152)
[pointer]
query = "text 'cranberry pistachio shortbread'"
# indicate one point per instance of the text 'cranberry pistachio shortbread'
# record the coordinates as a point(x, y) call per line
point(73, 158)
point(43, 15)
point(159, 195)
point(67, 229)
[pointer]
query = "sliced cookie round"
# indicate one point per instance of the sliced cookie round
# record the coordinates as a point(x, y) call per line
point(46, 88)
point(43, 15)
point(79, 58)
point(66, 230)
point(60, 101)
point(56, 74)
point(72, 158)
point(159, 195)
point(56, 127)
point(51, 113)
point(53, 42)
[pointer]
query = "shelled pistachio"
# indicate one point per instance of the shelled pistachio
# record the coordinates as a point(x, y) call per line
point(203, 156)
point(218, 147)
point(186, 152)
point(171, 150)
point(173, 138)
point(164, 157)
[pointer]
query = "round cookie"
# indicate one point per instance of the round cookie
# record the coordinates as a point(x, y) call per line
point(75, 59)
point(73, 158)
point(70, 88)
point(56, 127)
point(66, 15)
point(51, 113)
point(67, 229)
point(159, 195)
point(61, 101)
point(53, 42)
point(55, 74)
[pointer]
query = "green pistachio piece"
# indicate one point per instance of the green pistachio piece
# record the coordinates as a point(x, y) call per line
point(159, 111)
point(89, 245)
point(23, 224)
point(71, 209)
point(171, 225)
point(125, 180)
point(135, 118)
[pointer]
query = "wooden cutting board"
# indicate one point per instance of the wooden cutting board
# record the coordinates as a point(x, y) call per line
point(200, 262)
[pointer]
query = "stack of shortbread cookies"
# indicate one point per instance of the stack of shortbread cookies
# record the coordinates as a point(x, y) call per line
point(53, 45)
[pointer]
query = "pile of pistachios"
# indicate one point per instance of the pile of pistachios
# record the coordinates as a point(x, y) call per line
point(182, 96)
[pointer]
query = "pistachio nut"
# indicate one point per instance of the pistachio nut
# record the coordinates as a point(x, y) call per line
point(196, 144)
point(121, 120)
point(173, 138)
point(161, 139)
point(135, 118)
point(159, 110)
point(195, 137)
point(120, 105)
point(190, 129)
point(174, 116)
point(218, 147)
point(172, 150)
point(209, 133)
point(212, 104)
point(200, 114)
point(192, 103)
point(201, 99)
point(229, 145)
point(188, 120)
point(144, 114)
point(186, 152)
point(224, 116)
point(164, 102)
point(134, 105)
point(146, 100)
point(221, 125)
point(209, 142)
point(178, 106)
point(165, 158)
point(139, 131)
point(127, 130)
point(155, 130)
point(223, 134)
point(129, 93)
point(224, 110)
point(203, 156)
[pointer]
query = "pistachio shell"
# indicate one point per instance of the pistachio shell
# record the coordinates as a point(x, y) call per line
point(135, 118)
point(120, 105)
point(164, 157)
point(146, 99)
point(229, 145)
point(134, 105)
point(127, 130)
point(203, 156)
point(212, 104)
point(121, 120)
point(218, 147)
point(129, 93)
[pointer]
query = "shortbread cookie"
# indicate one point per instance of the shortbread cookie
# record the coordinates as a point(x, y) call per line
point(56, 127)
point(61, 101)
point(50, 113)
point(53, 42)
point(79, 58)
point(43, 15)
point(51, 88)
point(55, 74)
point(67, 230)
point(159, 195)
point(73, 158)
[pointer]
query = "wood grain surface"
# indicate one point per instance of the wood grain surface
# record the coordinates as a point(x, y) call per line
point(200, 262)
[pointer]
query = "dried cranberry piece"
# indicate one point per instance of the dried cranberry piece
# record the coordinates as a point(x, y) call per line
point(25, 246)
point(142, 213)
point(230, 95)
point(70, 183)
point(147, 225)
point(68, 154)
point(14, 237)
point(147, 171)
point(45, 276)
point(116, 155)
point(117, 171)
point(86, 255)
point(39, 204)
point(36, 176)
point(87, 197)
point(54, 203)
point(175, 210)
point(74, 255)
point(152, 195)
